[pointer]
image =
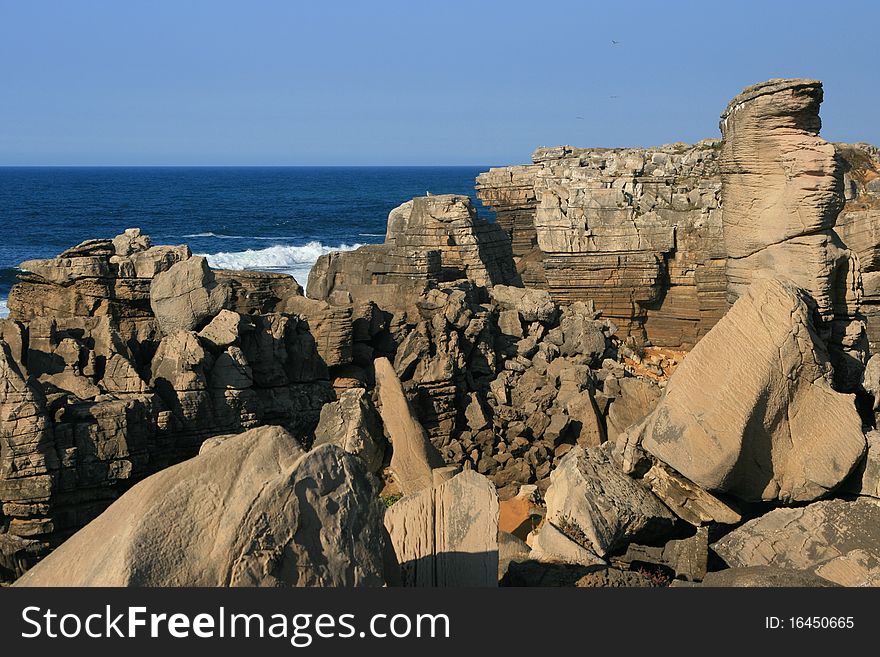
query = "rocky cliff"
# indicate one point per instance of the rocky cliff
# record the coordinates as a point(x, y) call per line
point(643, 232)
point(120, 358)
point(425, 356)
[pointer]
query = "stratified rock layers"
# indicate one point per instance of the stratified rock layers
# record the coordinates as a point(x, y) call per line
point(430, 239)
point(644, 234)
point(638, 231)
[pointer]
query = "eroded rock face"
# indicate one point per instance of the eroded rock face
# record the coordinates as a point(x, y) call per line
point(835, 539)
point(782, 187)
point(254, 510)
point(598, 507)
point(637, 231)
point(352, 423)
point(186, 296)
point(113, 398)
point(750, 409)
point(447, 535)
point(643, 233)
point(413, 456)
point(429, 239)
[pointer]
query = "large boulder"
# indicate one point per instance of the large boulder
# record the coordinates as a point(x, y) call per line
point(835, 539)
point(598, 507)
point(186, 296)
point(750, 411)
point(253, 510)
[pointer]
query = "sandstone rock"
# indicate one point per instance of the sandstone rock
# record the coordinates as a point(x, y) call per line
point(871, 379)
point(186, 296)
point(759, 432)
point(429, 239)
point(476, 416)
point(635, 401)
point(598, 507)
point(686, 557)
point(551, 545)
point(510, 548)
point(687, 500)
point(764, 577)
point(810, 538)
point(257, 292)
point(330, 326)
point(252, 511)
point(588, 428)
point(224, 330)
point(448, 535)
point(509, 323)
point(782, 191)
point(613, 578)
point(28, 459)
point(865, 480)
point(412, 457)
point(353, 424)
point(469, 248)
point(180, 376)
point(130, 241)
point(532, 305)
point(610, 223)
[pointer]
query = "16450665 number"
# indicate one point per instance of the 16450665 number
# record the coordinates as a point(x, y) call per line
point(822, 622)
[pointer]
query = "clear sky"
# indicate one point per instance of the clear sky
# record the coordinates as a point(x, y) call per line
point(272, 82)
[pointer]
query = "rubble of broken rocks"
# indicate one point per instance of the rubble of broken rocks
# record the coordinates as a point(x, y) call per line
point(423, 419)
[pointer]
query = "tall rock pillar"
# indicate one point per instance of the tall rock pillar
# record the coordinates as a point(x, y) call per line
point(782, 189)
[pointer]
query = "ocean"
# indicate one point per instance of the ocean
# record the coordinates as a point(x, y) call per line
point(266, 218)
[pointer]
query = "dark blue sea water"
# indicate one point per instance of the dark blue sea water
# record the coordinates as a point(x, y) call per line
point(276, 218)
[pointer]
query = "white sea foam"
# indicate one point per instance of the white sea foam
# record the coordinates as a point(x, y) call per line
point(294, 260)
point(4, 309)
point(372, 234)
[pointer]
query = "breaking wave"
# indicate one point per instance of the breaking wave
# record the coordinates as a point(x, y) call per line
point(294, 260)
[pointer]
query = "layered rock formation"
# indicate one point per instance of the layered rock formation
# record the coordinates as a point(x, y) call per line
point(643, 233)
point(858, 225)
point(429, 239)
point(106, 379)
point(834, 539)
point(447, 535)
point(637, 231)
point(782, 187)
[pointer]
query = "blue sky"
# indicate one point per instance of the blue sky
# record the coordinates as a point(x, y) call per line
point(262, 82)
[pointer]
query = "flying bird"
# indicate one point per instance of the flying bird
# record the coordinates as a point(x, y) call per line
point(615, 43)
point(579, 117)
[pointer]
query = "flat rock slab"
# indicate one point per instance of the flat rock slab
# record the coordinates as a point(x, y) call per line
point(832, 538)
point(447, 535)
point(763, 577)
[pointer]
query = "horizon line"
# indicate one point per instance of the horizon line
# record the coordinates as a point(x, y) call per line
point(233, 166)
